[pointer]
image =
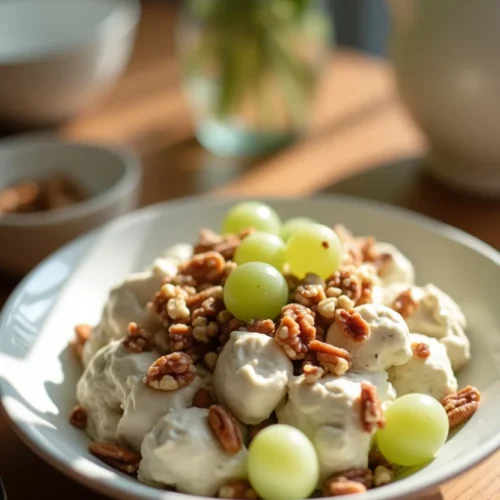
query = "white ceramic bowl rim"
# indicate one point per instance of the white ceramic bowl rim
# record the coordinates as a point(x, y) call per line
point(121, 20)
point(122, 488)
point(131, 174)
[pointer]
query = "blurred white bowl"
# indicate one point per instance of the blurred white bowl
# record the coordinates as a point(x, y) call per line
point(56, 56)
point(111, 176)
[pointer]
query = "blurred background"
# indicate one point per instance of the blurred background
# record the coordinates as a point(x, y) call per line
point(142, 102)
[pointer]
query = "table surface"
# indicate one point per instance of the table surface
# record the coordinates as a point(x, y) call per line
point(358, 125)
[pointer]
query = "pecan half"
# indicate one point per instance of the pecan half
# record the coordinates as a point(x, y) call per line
point(405, 304)
point(225, 245)
point(333, 359)
point(170, 303)
point(372, 416)
point(309, 295)
point(461, 405)
point(195, 301)
point(171, 372)
point(116, 456)
point(204, 267)
point(296, 330)
point(203, 398)
point(138, 339)
point(78, 417)
point(237, 489)
point(420, 350)
point(349, 482)
point(225, 429)
point(352, 325)
point(181, 336)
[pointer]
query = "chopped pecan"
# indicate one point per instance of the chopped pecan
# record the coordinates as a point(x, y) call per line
point(461, 405)
point(171, 372)
point(309, 295)
point(405, 304)
point(195, 301)
point(312, 373)
point(333, 359)
point(225, 245)
point(204, 267)
point(348, 482)
point(347, 280)
point(187, 283)
point(296, 330)
point(420, 350)
point(326, 308)
point(204, 330)
point(78, 417)
point(225, 429)
point(210, 360)
point(372, 416)
point(170, 303)
point(203, 398)
point(264, 326)
point(237, 489)
point(253, 430)
point(116, 456)
point(382, 476)
point(181, 336)
point(209, 307)
point(229, 267)
point(82, 334)
point(138, 339)
point(352, 325)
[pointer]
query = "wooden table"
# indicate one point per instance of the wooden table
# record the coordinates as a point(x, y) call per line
point(357, 123)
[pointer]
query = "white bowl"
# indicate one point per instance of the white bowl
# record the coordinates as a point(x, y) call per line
point(38, 373)
point(111, 176)
point(56, 56)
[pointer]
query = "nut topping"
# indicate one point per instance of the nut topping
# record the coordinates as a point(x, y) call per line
point(204, 267)
point(349, 482)
point(352, 325)
point(82, 334)
point(171, 372)
point(296, 330)
point(237, 489)
point(382, 476)
point(309, 295)
point(181, 337)
point(264, 326)
point(116, 456)
point(203, 398)
point(312, 373)
point(333, 359)
point(138, 339)
point(78, 417)
point(461, 405)
point(405, 304)
point(346, 280)
point(225, 428)
point(420, 350)
point(372, 416)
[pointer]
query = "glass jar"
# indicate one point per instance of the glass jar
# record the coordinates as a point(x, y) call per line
point(250, 68)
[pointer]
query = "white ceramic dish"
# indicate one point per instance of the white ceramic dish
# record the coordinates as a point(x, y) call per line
point(38, 373)
point(58, 55)
point(111, 176)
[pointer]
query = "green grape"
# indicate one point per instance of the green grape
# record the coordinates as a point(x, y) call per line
point(291, 225)
point(313, 249)
point(261, 247)
point(251, 214)
point(255, 290)
point(282, 463)
point(416, 428)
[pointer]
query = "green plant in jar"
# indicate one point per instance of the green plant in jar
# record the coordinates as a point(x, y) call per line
point(250, 66)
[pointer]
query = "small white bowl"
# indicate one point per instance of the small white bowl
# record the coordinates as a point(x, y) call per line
point(56, 56)
point(111, 176)
point(38, 372)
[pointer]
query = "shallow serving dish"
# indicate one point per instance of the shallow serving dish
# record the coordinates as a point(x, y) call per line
point(38, 373)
